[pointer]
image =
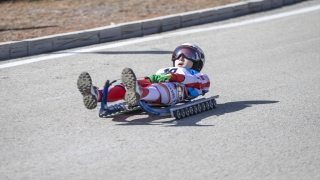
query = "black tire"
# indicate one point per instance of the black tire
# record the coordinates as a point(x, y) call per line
point(186, 110)
point(203, 107)
point(207, 105)
point(177, 114)
point(199, 107)
point(183, 113)
point(191, 110)
point(195, 109)
point(214, 103)
point(211, 104)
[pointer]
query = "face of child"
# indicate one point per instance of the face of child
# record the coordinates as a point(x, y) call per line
point(183, 63)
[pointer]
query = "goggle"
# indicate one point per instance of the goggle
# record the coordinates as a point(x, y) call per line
point(187, 52)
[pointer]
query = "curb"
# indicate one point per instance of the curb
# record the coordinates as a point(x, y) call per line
point(35, 46)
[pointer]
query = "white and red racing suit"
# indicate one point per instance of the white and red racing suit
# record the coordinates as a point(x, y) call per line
point(165, 92)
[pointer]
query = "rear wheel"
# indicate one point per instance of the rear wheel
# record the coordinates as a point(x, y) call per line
point(211, 104)
point(214, 103)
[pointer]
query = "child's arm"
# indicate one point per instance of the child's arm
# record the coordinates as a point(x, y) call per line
point(167, 77)
point(182, 75)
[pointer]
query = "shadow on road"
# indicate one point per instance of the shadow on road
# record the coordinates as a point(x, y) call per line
point(222, 109)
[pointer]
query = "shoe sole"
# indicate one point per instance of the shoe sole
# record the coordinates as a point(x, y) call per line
point(84, 85)
point(129, 79)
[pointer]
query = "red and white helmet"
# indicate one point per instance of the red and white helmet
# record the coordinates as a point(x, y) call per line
point(191, 52)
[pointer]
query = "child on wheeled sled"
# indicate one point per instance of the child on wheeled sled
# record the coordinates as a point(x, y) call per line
point(160, 88)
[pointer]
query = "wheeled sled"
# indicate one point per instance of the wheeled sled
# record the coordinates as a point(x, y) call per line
point(184, 106)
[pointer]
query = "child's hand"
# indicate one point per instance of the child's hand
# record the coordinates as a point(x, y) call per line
point(160, 77)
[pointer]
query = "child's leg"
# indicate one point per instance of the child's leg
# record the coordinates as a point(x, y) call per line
point(89, 92)
point(133, 89)
point(115, 93)
point(164, 93)
point(92, 95)
point(167, 92)
point(160, 93)
point(151, 94)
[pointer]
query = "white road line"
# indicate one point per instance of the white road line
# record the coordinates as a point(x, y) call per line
point(156, 37)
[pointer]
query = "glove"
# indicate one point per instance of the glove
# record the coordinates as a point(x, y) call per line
point(160, 77)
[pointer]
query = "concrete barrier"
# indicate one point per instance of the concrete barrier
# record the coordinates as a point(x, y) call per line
point(29, 47)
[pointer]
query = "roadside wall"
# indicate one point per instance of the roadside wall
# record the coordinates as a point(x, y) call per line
point(29, 47)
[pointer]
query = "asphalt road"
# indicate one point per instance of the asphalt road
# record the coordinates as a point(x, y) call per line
point(264, 66)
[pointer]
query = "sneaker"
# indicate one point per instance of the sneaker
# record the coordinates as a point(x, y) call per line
point(90, 93)
point(133, 89)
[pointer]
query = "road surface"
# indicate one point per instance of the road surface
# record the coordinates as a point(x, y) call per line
point(264, 66)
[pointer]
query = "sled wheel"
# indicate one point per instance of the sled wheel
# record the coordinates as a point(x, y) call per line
point(186, 110)
point(208, 105)
point(177, 114)
point(203, 106)
point(211, 104)
point(183, 113)
point(190, 110)
point(195, 109)
point(214, 103)
point(199, 108)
